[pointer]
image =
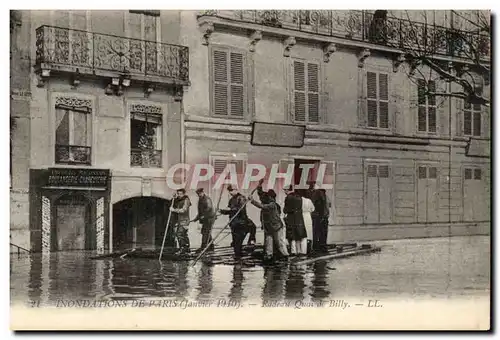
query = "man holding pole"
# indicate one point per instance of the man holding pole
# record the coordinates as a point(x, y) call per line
point(181, 209)
point(239, 220)
point(206, 217)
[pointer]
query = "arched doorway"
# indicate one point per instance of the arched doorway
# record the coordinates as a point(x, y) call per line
point(72, 229)
point(139, 222)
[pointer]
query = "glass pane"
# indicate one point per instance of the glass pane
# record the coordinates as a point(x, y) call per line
point(422, 172)
point(477, 124)
point(62, 127)
point(467, 123)
point(80, 128)
point(432, 172)
point(477, 173)
point(468, 173)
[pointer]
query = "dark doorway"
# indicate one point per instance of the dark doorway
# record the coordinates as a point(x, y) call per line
point(297, 174)
point(139, 222)
point(73, 229)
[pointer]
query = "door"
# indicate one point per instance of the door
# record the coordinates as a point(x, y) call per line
point(473, 199)
point(301, 167)
point(378, 193)
point(72, 225)
point(427, 193)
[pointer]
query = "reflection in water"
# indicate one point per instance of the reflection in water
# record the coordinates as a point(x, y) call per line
point(443, 267)
point(319, 283)
point(205, 282)
point(236, 292)
point(274, 283)
point(295, 284)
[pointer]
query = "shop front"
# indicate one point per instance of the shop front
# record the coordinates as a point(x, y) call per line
point(69, 209)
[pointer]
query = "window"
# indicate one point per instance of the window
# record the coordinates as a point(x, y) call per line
point(73, 130)
point(305, 92)
point(472, 119)
point(472, 174)
point(426, 106)
point(146, 142)
point(229, 97)
point(377, 100)
point(71, 46)
point(144, 29)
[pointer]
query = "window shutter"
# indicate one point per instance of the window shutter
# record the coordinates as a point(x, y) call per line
point(372, 170)
point(485, 122)
point(422, 172)
point(237, 85)
point(219, 165)
point(477, 174)
point(362, 97)
point(477, 123)
point(422, 112)
point(383, 100)
point(220, 90)
point(459, 131)
point(313, 92)
point(371, 99)
point(383, 171)
point(468, 173)
point(431, 107)
point(299, 91)
point(433, 172)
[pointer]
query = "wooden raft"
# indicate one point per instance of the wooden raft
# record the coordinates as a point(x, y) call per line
point(252, 255)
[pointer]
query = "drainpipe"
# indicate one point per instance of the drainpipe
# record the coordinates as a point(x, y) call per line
point(179, 98)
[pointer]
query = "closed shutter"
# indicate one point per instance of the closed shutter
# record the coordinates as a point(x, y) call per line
point(431, 107)
point(467, 129)
point(299, 92)
point(485, 122)
point(220, 76)
point(422, 112)
point(383, 101)
point(432, 195)
point(306, 96)
point(313, 92)
point(459, 130)
point(371, 194)
point(237, 85)
point(371, 100)
point(477, 120)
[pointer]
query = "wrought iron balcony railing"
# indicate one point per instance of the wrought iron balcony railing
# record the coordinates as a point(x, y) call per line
point(87, 51)
point(145, 158)
point(364, 26)
point(73, 154)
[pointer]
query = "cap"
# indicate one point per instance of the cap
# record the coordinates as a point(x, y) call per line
point(199, 190)
point(271, 193)
point(289, 188)
point(230, 188)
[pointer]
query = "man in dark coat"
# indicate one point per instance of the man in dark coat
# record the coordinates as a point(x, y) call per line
point(181, 209)
point(239, 224)
point(295, 221)
point(206, 217)
point(320, 219)
point(270, 217)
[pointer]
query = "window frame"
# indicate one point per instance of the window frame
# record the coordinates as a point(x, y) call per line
point(148, 105)
point(85, 101)
point(473, 113)
point(306, 63)
point(377, 99)
point(426, 105)
point(247, 81)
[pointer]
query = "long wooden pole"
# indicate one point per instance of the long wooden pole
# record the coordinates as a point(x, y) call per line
point(228, 223)
point(166, 229)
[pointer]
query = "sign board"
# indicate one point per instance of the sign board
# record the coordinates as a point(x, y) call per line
point(65, 177)
point(274, 134)
point(478, 148)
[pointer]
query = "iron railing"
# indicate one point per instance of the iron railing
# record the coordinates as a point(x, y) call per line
point(19, 249)
point(94, 51)
point(367, 27)
point(73, 154)
point(145, 158)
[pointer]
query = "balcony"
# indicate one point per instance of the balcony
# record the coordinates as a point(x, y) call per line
point(73, 154)
point(145, 158)
point(68, 50)
point(361, 27)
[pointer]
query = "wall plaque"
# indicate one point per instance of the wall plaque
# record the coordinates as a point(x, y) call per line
point(273, 134)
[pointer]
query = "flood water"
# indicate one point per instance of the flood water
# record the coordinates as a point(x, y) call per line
point(453, 267)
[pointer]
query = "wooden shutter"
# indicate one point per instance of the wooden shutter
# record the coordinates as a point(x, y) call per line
point(459, 130)
point(220, 85)
point(299, 92)
point(384, 193)
point(422, 112)
point(383, 100)
point(485, 122)
point(313, 92)
point(477, 123)
point(237, 93)
point(431, 108)
point(467, 128)
point(371, 99)
point(371, 194)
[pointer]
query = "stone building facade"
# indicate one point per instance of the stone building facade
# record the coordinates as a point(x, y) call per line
point(105, 102)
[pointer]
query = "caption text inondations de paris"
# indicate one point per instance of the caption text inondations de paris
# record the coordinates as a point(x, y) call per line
point(212, 303)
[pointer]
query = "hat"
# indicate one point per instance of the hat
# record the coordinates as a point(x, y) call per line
point(289, 188)
point(182, 189)
point(199, 190)
point(230, 188)
point(271, 193)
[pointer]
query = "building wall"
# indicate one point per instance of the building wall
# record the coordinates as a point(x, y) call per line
point(341, 92)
